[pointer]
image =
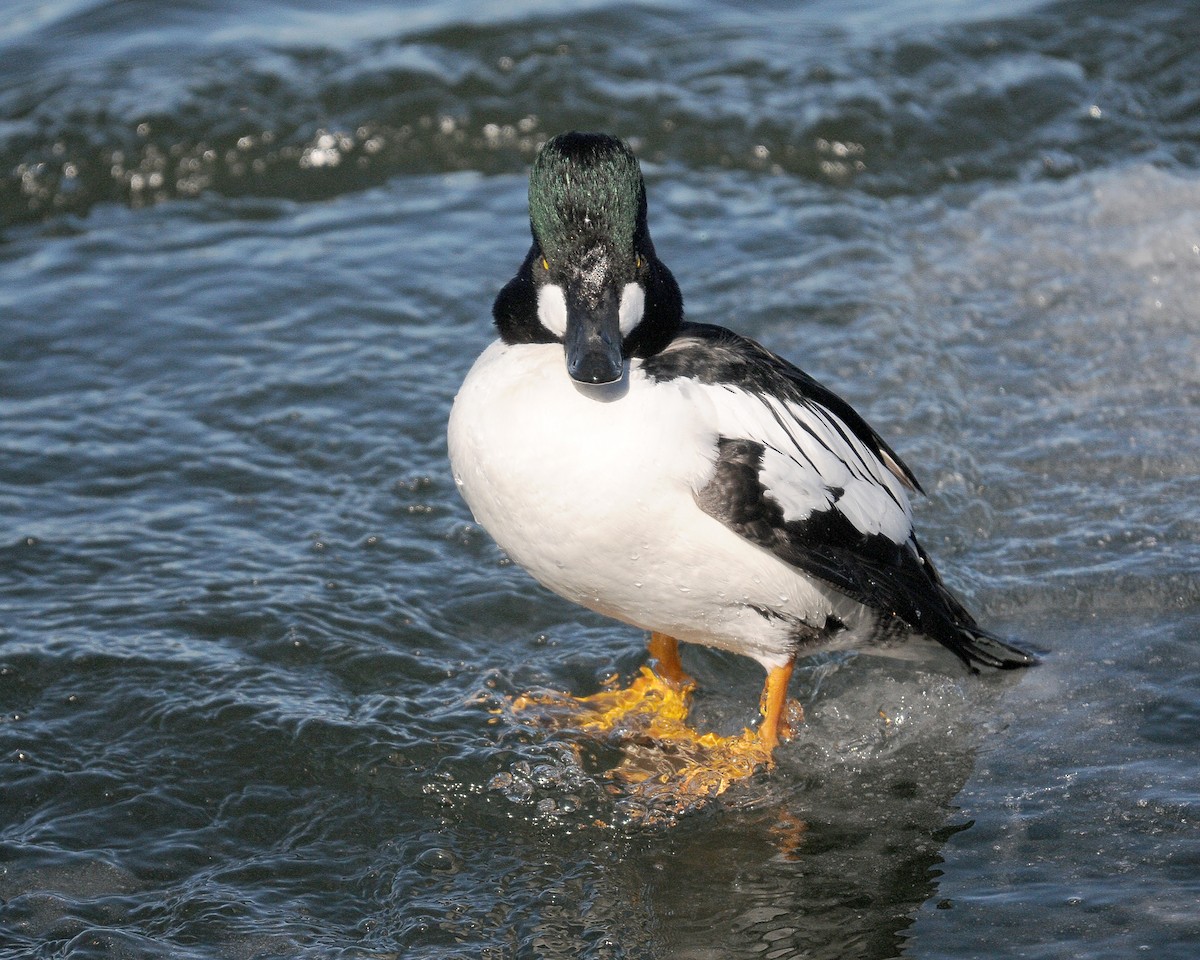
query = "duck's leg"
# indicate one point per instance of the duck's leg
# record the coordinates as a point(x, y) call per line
point(664, 653)
point(774, 707)
point(688, 764)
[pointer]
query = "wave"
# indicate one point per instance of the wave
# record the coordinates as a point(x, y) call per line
point(128, 103)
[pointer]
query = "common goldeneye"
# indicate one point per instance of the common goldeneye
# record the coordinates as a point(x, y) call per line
point(678, 476)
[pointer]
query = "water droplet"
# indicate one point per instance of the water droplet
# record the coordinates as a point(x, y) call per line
point(439, 860)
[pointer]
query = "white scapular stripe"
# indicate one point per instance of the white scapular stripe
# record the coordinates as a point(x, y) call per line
point(809, 455)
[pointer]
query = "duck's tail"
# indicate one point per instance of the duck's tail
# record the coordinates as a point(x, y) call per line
point(975, 646)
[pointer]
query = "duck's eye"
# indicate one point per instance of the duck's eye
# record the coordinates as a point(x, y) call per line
point(545, 264)
point(638, 262)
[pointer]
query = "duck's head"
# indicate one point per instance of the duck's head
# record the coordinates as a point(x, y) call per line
point(591, 280)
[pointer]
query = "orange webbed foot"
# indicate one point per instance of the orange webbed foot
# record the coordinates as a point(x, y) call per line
point(663, 757)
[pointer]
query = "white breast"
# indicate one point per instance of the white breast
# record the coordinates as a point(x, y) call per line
point(592, 490)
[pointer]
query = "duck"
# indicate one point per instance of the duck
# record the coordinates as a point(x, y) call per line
point(678, 476)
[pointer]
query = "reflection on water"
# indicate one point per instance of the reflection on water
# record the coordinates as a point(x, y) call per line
point(831, 855)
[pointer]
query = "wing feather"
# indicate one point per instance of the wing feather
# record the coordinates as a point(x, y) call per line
point(800, 473)
point(813, 461)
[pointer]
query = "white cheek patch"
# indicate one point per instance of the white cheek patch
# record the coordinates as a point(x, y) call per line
point(633, 305)
point(552, 309)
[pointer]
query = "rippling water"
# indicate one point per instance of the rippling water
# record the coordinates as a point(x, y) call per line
point(252, 648)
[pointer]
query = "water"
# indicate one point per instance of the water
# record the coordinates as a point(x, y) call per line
point(253, 653)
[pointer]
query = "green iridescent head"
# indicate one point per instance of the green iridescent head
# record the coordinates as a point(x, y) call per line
point(585, 189)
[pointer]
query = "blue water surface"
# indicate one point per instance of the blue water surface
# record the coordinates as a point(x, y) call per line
point(255, 654)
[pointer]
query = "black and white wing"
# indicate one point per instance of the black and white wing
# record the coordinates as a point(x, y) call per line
point(801, 474)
